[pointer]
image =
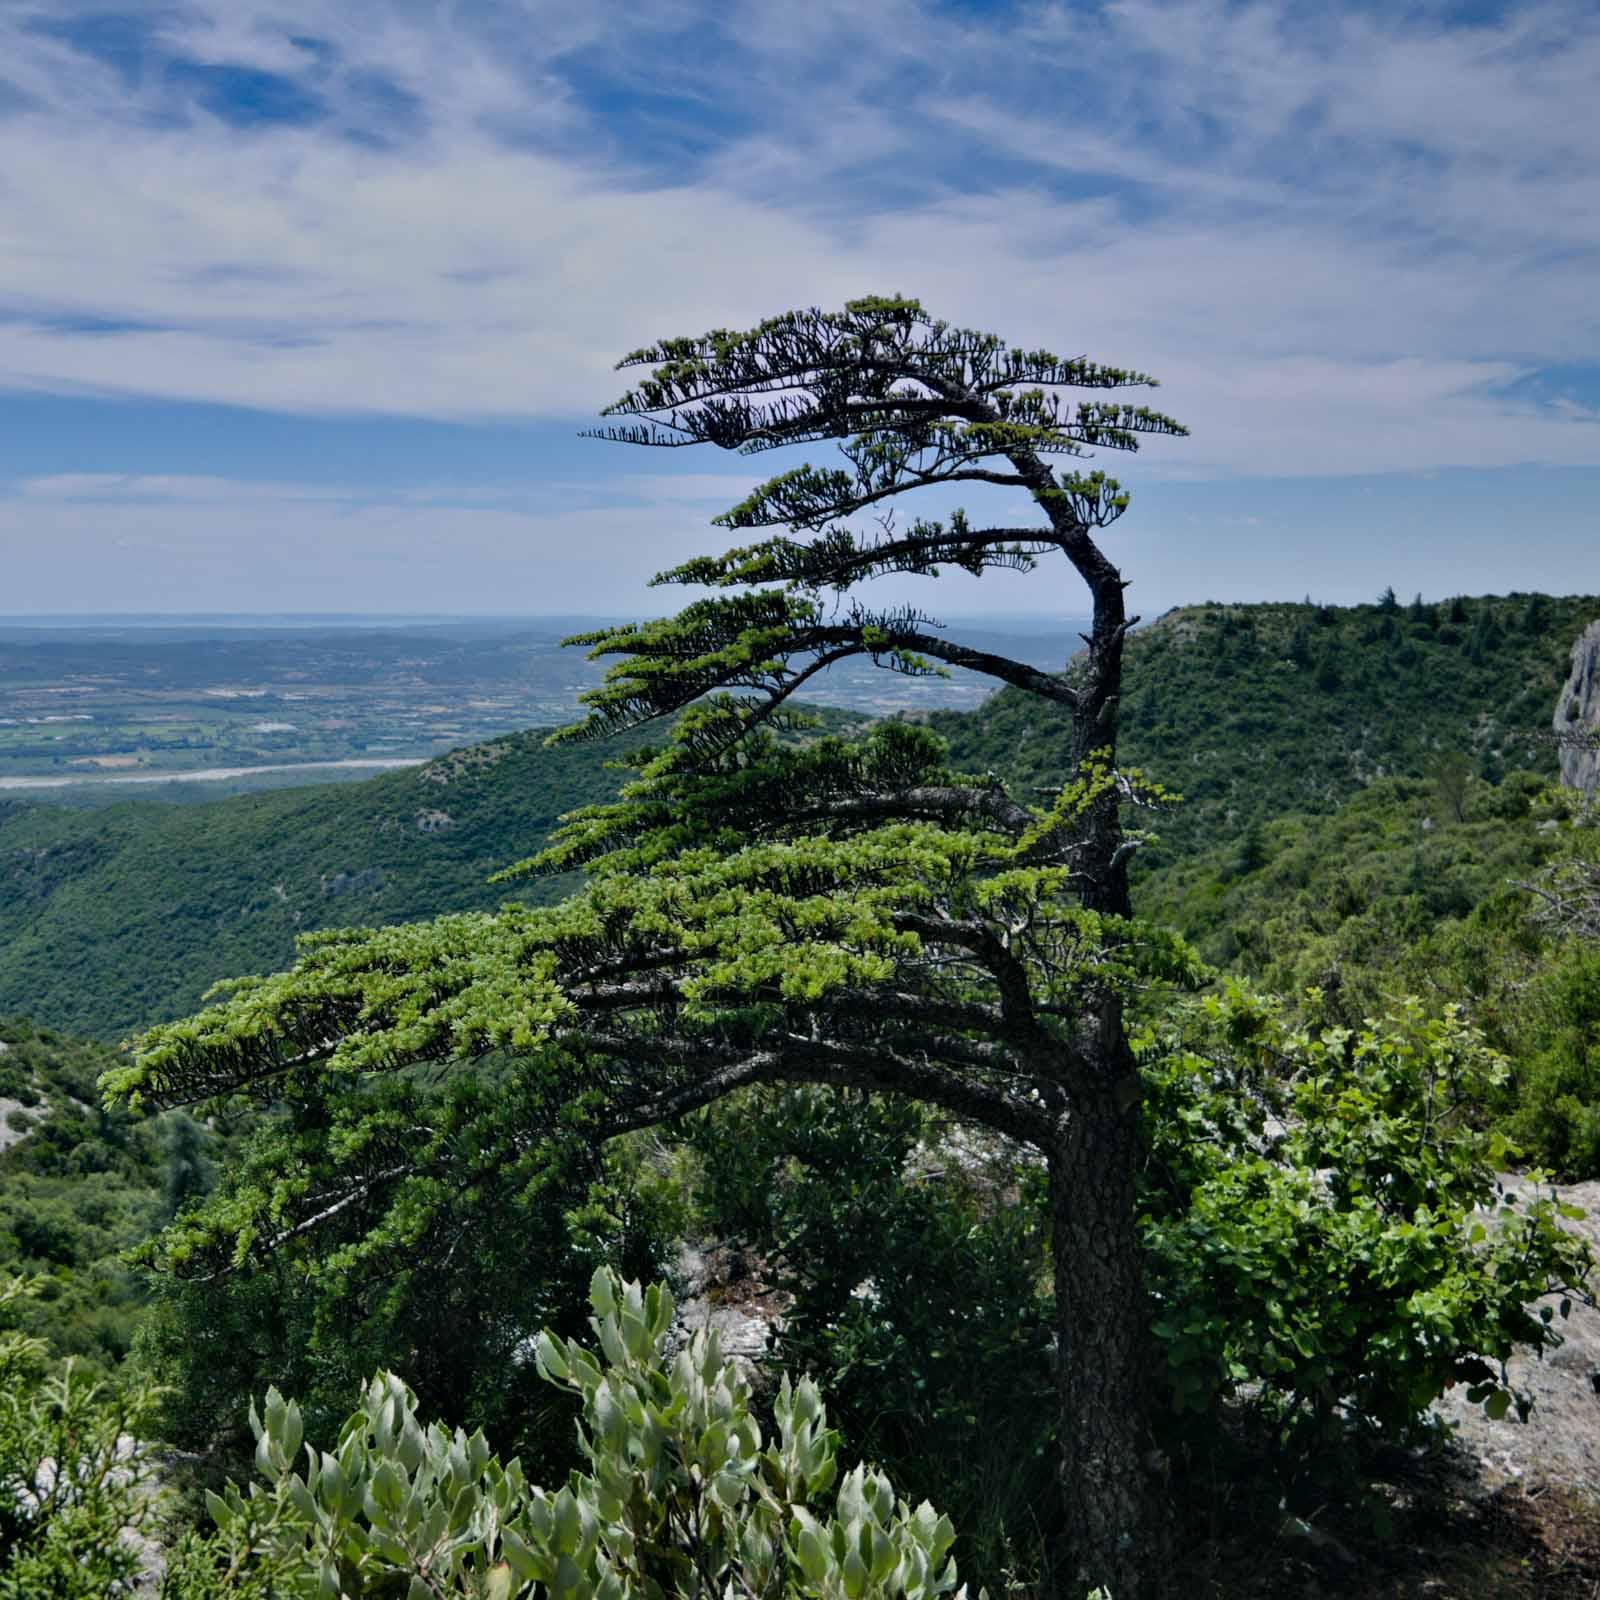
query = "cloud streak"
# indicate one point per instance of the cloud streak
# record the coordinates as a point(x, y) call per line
point(1343, 238)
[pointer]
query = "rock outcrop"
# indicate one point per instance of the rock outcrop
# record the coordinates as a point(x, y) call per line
point(726, 1289)
point(1559, 1444)
point(1577, 719)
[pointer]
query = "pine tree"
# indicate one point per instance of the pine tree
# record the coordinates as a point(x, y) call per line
point(1487, 635)
point(764, 906)
point(1253, 851)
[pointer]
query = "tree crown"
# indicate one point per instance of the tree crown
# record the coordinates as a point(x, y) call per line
point(763, 906)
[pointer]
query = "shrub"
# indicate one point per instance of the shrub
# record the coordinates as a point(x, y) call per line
point(70, 1495)
point(1326, 1232)
point(1558, 1093)
point(437, 1275)
point(917, 1268)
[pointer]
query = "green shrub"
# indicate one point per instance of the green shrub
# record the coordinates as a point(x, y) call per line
point(918, 1273)
point(1326, 1248)
point(1558, 1088)
point(439, 1273)
point(1326, 1233)
point(70, 1489)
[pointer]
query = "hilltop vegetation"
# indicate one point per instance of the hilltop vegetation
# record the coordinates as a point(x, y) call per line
point(1365, 899)
point(1252, 711)
point(1425, 887)
point(79, 1186)
point(115, 918)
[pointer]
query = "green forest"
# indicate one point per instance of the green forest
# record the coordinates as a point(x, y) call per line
point(117, 917)
point(1388, 856)
point(1127, 1109)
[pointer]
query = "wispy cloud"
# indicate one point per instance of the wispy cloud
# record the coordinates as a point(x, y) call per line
point(1344, 237)
point(630, 490)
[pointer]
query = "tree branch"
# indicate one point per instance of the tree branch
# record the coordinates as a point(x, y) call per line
point(793, 1059)
point(937, 802)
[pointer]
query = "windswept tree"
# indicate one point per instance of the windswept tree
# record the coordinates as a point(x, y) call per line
point(763, 906)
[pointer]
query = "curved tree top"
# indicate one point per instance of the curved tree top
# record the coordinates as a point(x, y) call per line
point(912, 403)
point(919, 401)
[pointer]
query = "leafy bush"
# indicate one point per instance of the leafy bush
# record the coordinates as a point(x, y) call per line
point(1558, 1092)
point(1326, 1247)
point(80, 1189)
point(70, 1490)
point(917, 1271)
point(1379, 899)
point(1326, 1234)
point(678, 1497)
point(442, 1234)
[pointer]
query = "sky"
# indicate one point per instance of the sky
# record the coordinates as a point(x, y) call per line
point(303, 304)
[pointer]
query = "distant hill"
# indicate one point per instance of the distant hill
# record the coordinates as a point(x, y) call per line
point(1375, 896)
point(1252, 711)
point(115, 918)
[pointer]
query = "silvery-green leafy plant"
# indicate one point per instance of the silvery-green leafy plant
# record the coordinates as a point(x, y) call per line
point(681, 1494)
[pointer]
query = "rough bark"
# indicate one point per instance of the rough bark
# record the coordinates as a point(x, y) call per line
point(1112, 1526)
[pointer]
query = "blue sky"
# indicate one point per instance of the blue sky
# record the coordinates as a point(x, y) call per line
point(302, 303)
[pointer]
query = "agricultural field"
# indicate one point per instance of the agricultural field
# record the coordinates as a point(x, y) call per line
point(91, 706)
point(127, 700)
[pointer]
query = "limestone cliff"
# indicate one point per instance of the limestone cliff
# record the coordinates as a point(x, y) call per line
point(1578, 714)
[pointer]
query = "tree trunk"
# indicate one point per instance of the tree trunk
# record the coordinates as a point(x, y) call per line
point(1113, 1516)
point(1095, 722)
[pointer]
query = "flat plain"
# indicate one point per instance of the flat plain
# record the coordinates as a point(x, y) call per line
point(91, 705)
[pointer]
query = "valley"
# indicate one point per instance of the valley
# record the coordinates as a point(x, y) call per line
point(91, 707)
point(118, 916)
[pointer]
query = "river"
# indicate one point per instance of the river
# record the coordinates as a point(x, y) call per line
point(207, 774)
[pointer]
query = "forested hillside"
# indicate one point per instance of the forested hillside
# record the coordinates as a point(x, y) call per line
point(79, 1185)
point(116, 918)
point(1366, 792)
point(1252, 711)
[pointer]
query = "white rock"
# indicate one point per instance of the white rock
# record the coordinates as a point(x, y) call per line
point(1560, 1442)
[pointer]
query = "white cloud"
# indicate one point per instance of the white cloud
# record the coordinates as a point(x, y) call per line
point(1335, 236)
